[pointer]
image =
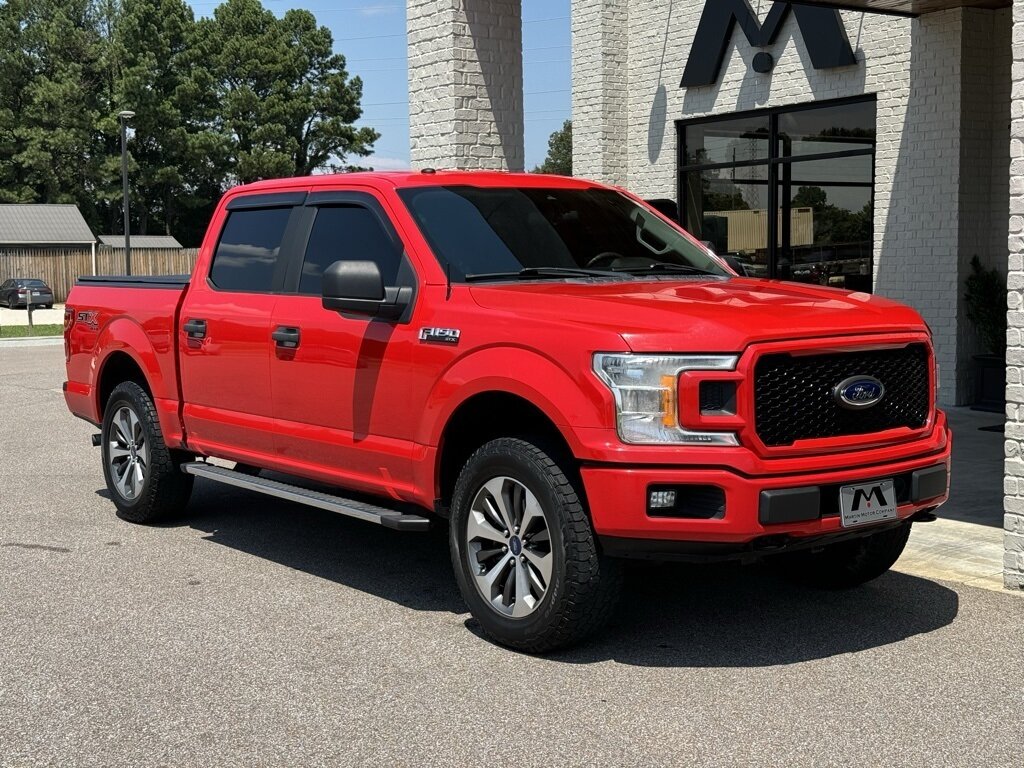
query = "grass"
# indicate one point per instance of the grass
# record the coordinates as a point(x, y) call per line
point(22, 331)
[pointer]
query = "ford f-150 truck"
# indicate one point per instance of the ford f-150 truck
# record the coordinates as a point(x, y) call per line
point(557, 369)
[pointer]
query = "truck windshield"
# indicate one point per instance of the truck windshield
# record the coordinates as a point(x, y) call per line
point(495, 233)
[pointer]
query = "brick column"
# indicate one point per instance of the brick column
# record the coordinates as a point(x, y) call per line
point(1013, 482)
point(466, 84)
point(599, 90)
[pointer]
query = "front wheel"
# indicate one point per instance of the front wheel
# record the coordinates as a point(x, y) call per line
point(848, 563)
point(523, 550)
point(143, 475)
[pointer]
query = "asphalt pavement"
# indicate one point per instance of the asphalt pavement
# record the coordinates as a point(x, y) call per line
point(259, 633)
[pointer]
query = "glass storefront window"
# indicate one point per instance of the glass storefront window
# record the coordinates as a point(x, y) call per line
point(788, 192)
point(728, 141)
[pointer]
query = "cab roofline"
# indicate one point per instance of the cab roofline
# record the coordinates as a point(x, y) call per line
point(398, 179)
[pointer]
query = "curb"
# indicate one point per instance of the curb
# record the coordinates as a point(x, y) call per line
point(32, 341)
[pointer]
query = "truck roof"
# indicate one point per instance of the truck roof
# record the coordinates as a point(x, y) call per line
point(427, 177)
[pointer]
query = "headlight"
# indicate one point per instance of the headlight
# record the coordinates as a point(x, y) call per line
point(645, 387)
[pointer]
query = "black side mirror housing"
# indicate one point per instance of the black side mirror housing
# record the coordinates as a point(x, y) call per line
point(734, 264)
point(356, 287)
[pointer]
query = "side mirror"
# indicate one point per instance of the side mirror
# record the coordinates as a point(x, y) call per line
point(357, 287)
point(734, 264)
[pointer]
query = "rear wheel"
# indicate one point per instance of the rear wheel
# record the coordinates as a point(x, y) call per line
point(143, 475)
point(523, 550)
point(848, 563)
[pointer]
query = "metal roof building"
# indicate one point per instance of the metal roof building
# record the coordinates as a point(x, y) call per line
point(141, 241)
point(25, 225)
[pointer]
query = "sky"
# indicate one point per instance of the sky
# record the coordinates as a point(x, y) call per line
point(371, 35)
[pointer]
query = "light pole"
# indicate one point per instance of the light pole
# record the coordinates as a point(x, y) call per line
point(124, 117)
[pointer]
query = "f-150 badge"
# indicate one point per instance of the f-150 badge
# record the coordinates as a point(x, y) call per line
point(440, 335)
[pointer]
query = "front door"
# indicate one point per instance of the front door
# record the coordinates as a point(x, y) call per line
point(225, 334)
point(340, 382)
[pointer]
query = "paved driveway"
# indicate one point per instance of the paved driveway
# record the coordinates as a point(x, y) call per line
point(261, 633)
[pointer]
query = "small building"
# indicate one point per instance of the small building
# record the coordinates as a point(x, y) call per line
point(44, 226)
point(163, 242)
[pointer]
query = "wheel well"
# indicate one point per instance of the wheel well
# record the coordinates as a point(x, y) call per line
point(119, 367)
point(486, 417)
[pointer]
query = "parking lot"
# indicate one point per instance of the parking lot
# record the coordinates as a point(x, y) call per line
point(256, 632)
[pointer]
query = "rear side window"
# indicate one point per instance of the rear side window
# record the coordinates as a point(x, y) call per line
point(247, 254)
point(347, 233)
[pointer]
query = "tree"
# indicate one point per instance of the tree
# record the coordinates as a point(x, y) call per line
point(559, 159)
point(286, 101)
point(178, 162)
point(50, 73)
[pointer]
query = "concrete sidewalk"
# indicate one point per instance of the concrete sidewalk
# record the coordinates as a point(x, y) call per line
point(966, 543)
point(53, 316)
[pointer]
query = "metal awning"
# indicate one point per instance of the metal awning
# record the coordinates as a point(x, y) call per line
point(906, 7)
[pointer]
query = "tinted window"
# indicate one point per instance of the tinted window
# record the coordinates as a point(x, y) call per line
point(480, 231)
point(247, 253)
point(347, 233)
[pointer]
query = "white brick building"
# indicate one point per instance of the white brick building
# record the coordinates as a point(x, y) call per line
point(887, 170)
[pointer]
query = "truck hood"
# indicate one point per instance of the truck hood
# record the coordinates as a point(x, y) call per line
point(702, 315)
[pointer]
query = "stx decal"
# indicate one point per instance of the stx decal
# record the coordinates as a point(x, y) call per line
point(822, 30)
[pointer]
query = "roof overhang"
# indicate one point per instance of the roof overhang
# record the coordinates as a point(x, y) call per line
point(906, 7)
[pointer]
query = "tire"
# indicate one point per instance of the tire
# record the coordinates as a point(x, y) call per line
point(131, 432)
point(509, 481)
point(848, 563)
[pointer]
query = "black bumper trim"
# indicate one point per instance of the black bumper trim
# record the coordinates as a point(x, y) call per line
point(813, 502)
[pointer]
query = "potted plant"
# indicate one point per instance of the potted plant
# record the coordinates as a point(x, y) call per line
point(985, 298)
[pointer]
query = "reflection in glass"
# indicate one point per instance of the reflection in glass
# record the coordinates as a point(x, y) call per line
point(831, 129)
point(738, 140)
point(826, 234)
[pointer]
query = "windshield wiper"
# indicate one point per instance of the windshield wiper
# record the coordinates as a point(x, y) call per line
point(530, 273)
point(664, 266)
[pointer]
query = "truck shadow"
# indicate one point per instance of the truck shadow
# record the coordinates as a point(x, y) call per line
point(671, 615)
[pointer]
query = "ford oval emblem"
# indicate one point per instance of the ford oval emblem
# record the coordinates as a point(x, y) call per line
point(859, 392)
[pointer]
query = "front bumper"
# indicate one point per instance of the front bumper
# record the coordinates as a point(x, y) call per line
point(758, 512)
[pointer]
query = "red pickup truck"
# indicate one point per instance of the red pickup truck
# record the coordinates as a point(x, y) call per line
point(551, 365)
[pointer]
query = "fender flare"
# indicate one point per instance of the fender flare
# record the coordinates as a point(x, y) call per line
point(514, 370)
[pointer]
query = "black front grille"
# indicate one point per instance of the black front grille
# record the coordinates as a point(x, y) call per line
point(793, 395)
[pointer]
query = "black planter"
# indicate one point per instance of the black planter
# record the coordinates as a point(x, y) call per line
point(989, 383)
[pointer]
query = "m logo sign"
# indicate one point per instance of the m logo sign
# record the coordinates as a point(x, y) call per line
point(868, 496)
point(822, 30)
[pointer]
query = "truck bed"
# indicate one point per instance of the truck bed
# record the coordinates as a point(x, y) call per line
point(113, 322)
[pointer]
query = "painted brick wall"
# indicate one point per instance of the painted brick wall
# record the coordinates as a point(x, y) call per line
point(1013, 558)
point(599, 89)
point(466, 84)
point(915, 68)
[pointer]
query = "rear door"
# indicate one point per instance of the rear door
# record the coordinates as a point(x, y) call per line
point(224, 333)
point(341, 394)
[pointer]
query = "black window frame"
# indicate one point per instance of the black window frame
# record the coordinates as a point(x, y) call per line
point(774, 162)
point(249, 203)
point(407, 275)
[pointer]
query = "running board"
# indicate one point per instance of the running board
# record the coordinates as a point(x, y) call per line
point(360, 510)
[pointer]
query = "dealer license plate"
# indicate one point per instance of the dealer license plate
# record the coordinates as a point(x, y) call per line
point(867, 503)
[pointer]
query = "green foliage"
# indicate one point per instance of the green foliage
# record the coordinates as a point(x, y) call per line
point(237, 97)
point(559, 159)
point(287, 103)
point(985, 298)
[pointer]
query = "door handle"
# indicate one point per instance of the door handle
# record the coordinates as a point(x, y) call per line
point(287, 338)
point(195, 329)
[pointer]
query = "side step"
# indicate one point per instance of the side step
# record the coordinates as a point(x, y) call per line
point(360, 510)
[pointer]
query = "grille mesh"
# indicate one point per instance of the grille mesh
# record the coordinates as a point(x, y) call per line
point(793, 395)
